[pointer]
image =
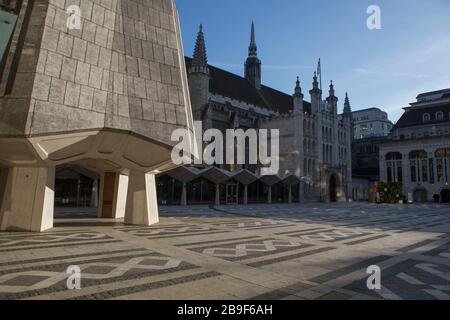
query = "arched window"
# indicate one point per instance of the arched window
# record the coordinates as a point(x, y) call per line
point(439, 116)
point(419, 165)
point(394, 167)
point(331, 154)
point(426, 117)
point(443, 164)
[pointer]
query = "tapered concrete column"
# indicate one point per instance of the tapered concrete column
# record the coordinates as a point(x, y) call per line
point(142, 205)
point(120, 199)
point(217, 195)
point(28, 200)
point(290, 194)
point(245, 194)
point(269, 195)
point(184, 194)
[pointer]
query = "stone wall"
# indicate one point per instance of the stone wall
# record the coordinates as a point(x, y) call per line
point(122, 70)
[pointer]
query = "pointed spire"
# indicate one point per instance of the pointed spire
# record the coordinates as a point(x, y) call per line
point(253, 64)
point(347, 107)
point(200, 60)
point(319, 73)
point(298, 89)
point(252, 49)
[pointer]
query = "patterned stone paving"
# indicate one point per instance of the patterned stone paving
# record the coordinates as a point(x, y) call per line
point(307, 251)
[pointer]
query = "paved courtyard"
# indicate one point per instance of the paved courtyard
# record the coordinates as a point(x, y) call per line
point(307, 251)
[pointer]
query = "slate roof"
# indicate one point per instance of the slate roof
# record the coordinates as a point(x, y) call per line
point(236, 87)
point(445, 94)
point(414, 116)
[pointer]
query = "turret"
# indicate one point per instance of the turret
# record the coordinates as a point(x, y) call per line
point(199, 77)
point(298, 98)
point(316, 94)
point(332, 100)
point(299, 117)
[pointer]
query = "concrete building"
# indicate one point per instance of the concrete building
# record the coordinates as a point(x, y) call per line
point(315, 145)
point(372, 122)
point(417, 152)
point(371, 127)
point(105, 97)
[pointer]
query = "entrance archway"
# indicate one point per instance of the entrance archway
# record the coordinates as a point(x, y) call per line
point(333, 188)
point(445, 196)
point(420, 195)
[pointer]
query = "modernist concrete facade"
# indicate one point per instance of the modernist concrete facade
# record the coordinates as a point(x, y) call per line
point(105, 98)
point(370, 123)
point(418, 150)
point(315, 145)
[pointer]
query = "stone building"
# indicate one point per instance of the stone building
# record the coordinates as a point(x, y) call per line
point(105, 97)
point(417, 152)
point(315, 156)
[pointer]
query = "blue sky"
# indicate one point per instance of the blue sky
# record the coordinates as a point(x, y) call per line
point(384, 68)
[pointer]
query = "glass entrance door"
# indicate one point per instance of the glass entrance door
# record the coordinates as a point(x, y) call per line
point(232, 194)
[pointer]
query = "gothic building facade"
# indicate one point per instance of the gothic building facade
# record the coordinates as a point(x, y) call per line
point(315, 142)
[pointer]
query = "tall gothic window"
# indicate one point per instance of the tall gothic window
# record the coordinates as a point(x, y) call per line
point(419, 166)
point(426, 117)
point(394, 167)
point(439, 116)
point(443, 165)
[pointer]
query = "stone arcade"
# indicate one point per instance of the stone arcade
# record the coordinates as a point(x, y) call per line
point(105, 98)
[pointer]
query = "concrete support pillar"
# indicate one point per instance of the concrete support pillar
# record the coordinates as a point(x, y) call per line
point(269, 195)
point(184, 194)
point(217, 195)
point(120, 199)
point(290, 194)
point(245, 194)
point(142, 206)
point(28, 200)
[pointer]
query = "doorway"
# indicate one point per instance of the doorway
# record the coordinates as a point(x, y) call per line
point(445, 196)
point(232, 194)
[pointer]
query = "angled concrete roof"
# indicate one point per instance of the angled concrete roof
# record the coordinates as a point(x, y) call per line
point(291, 180)
point(217, 175)
point(245, 177)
